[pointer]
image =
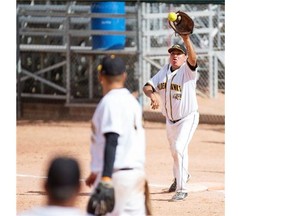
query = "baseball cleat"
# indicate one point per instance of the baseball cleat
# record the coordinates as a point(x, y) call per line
point(179, 196)
point(188, 178)
point(173, 186)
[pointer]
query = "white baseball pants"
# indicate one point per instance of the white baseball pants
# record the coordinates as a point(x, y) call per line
point(129, 188)
point(179, 136)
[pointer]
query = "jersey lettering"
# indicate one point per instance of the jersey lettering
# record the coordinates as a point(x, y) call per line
point(176, 87)
point(161, 86)
point(177, 96)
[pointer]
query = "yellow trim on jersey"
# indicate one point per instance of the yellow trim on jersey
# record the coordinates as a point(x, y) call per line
point(171, 85)
point(166, 96)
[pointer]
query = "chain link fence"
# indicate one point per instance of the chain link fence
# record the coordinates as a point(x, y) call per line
point(57, 61)
point(85, 86)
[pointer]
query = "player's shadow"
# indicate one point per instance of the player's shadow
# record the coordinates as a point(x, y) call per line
point(165, 191)
point(162, 192)
point(161, 200)
point(213, 142)
point(34, 193)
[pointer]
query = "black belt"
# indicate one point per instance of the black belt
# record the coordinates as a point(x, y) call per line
point(175, 121)
point(126, 168)
point(123, 169)
point(180, 119)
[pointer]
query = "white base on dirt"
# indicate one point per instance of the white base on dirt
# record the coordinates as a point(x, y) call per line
point(196, 188)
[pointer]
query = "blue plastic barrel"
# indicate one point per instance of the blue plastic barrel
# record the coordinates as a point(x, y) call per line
point(108, 42)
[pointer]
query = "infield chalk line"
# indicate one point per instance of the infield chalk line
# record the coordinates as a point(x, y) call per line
point(157, 185)
point(191, 187)
point(36, 177)
point(45, 177)
point(31, 176)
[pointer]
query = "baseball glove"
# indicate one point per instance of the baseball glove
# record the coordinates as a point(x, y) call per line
point(183, 25)
point(102, 200)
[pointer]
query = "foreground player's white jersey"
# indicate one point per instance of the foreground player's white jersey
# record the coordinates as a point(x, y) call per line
point(177, 90)
point(118, 112)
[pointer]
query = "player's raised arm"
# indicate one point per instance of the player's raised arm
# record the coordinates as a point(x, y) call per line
point(192, 57)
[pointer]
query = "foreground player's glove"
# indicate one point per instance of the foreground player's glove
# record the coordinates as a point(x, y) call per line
point(182, 24)
point(102, 200)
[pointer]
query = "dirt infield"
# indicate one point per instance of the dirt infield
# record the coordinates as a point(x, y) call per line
point(38, 141)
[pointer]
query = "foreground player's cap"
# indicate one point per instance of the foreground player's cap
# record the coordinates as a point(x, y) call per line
point(63, 177)
point(178, 47)
point(112, 66)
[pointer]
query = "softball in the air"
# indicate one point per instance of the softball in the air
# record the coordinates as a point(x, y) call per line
point(172, 16)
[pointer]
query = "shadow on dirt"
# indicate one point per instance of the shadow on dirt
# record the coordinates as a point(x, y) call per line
point(43, 193)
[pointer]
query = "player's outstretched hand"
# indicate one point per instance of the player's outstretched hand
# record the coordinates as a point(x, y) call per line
point(91, 179)
point(154, 102)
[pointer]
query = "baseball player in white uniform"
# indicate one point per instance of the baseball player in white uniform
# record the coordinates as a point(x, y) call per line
point(175, 83)
point(118, 141)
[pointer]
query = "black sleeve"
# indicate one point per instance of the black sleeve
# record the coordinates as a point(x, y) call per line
point(109, 153)
point(193, 68)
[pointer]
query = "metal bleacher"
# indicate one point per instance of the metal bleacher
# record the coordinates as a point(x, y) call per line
point(56, 60)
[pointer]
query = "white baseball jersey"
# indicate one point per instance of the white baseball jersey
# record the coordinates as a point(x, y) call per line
point(118, 112)
point(177, 90)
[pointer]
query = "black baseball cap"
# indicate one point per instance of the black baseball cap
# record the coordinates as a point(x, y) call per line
point(112, 66)
point(63, 178)
point(179, 47)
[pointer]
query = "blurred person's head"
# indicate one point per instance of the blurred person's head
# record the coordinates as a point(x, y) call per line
point(63, 181)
